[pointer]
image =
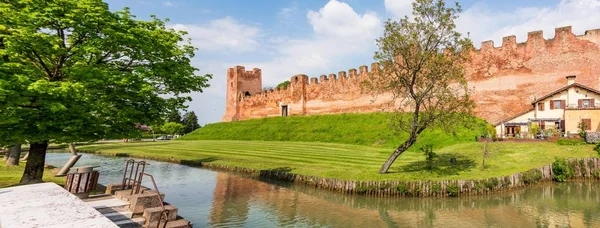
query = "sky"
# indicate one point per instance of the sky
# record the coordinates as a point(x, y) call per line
point(315, 37)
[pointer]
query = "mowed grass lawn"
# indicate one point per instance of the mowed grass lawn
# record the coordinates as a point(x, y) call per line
point(354, 162)
point(11, 175)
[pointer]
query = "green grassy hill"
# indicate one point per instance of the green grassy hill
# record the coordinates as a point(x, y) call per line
point(369, 129)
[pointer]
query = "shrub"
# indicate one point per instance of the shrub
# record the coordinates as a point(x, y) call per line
point(534, 128)
point(596, 174)
point(402, 188)
point(532, 176)
point(597, 148)
point(561, 169)
point(452, 190)
point(361, 189)
point(478, 186)
point(581, 127)
point(490, 183)
point(436, 187)
point(416, 191)
point(570, 142)
point(505, 182)
point(429, 155)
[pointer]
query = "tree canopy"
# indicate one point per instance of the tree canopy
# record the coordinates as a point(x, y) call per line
point(174, 116)
point(75, 71)
point(421, 59)
point(172, 128)
point(190, 121)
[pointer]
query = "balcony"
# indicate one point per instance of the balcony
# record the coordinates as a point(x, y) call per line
point(590, 106)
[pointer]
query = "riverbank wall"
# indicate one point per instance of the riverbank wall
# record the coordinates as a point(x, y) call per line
point(583, 168)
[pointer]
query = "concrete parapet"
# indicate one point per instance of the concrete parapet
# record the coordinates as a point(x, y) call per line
point(153, 214)
point(147, 199)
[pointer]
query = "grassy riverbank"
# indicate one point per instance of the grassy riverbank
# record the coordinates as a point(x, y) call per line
point(367, 129)
point(10, 175)
point(354, 162)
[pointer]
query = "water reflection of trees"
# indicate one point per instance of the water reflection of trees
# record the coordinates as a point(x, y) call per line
point(570, 204)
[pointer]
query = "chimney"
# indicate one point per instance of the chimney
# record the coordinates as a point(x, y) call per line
point(570, 79)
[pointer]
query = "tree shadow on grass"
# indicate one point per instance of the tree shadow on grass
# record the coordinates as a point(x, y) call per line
point(198, 162)
point(443, 165)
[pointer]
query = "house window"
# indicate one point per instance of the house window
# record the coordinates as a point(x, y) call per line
point(557, 104)
point(557, 125)
point(586, 103)
point(541, 106)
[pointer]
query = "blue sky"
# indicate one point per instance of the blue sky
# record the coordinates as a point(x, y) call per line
point(315, 37)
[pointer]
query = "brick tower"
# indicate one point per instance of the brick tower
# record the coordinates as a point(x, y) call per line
point(240, 83)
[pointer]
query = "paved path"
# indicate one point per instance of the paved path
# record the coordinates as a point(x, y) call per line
point(46, 205)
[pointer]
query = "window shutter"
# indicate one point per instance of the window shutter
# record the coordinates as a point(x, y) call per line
point(563, 104)
point(588, 124)
point(592, 102)
point(580, 103)
point(551, 104)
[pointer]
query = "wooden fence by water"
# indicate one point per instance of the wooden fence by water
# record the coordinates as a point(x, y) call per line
point(583, 168)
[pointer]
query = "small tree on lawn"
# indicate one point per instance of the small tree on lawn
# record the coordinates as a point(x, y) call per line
point(172, 128)
point(75, 71)
point(421, 61)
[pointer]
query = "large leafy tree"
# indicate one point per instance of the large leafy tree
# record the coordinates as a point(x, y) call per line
point(75, 71)
point(190, 121)
point(174, 116)
point(421, 60)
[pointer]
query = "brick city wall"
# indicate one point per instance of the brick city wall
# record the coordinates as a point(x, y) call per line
point(503, 80)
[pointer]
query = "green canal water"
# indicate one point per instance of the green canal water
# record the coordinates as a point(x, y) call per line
point(217, 199)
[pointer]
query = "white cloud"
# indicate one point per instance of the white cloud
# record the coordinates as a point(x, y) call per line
point(338, 19)
point(398, 8)
point(224, 34)
point(168, 4)
point(340, 33)
point(485, 23)
point(288, 15)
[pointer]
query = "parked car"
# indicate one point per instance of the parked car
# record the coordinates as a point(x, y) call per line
point(164, 137)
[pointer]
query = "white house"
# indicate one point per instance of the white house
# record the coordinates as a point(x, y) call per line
point(567, 109)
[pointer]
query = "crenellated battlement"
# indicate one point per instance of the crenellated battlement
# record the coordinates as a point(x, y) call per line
point(536, 41)
point(500, 77)
point(342, 81)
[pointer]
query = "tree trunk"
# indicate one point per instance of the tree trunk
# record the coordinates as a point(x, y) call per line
point(70, 163)
point(25, 157)
point(72, 149)
point(13, 154)
point(409, 142)
point(34, 169)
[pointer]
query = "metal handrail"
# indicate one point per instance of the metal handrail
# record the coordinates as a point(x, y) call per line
point(128, 181)
point(164, 213)
point(136, 185)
